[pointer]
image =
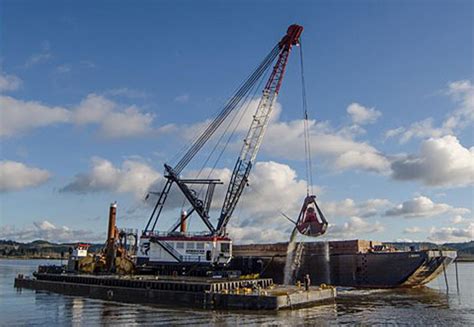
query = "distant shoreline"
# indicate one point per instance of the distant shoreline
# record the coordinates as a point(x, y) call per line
point(45, 250)
point(28, 258)
point(458, 259)
point(461, 259)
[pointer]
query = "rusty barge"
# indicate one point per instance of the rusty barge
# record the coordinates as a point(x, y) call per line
point(353, 263)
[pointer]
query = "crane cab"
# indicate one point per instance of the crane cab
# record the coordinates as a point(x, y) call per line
point(183, 249)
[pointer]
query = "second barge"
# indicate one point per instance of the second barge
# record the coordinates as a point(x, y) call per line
point(352, 263)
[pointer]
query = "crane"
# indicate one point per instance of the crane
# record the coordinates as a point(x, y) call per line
point(255, 134)
point(213, 246)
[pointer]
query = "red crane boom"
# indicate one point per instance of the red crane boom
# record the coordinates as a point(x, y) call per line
point(257, 128)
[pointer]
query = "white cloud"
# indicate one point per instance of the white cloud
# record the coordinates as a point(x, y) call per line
point(361, 115)
point(421, 129)
point(369, 161)
point(130, 122)
point(412, 230)
point(127, 92)
point(64, 69)
point(349, 207)
point(459, 219)
point(338, 148)
point(132, 177)
point(114, 123)
point(114, 120)
point(273, 187)
point(18, 116)
point(45, 230)
point(241, 123)
point(39, 57)
point(423, 206)
point(452, 234)
point(354, 227)
point(394, 132)
point(183, 98)
point(254, 234)
point(88, 64)
point(93, 109)
point(9, 82)
point(462, 93)
point(15, 176)
point(441, 162)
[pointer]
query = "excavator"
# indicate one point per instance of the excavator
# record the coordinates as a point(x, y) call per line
point(117, 256)
point(179, 250)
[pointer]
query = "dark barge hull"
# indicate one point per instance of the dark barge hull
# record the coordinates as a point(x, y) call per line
point(186, 292)
point(367, 269)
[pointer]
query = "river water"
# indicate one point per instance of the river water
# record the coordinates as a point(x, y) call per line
point(427, 306)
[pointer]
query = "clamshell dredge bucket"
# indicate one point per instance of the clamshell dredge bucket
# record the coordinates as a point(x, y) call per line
point(311, 221)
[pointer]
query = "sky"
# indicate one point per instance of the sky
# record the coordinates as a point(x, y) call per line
point(96, 96)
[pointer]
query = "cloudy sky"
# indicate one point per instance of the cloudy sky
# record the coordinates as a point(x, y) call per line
point(96, 97)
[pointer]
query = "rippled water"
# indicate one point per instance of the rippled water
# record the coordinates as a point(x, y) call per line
point(424, 306)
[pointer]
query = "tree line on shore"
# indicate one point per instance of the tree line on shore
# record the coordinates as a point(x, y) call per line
point(40, 249)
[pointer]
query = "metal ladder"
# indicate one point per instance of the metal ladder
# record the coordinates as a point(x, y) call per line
point(295, 267)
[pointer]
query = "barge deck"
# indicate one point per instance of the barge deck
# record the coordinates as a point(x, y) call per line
point(253, 294)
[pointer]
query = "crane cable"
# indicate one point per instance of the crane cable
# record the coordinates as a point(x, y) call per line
point(307, 143)
point(244, 95)
point(249, 97)
point(228, 108)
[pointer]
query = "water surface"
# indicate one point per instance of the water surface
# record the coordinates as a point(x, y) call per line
point(430, 305)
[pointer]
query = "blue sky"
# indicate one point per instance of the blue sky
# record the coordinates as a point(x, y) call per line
point(95, 97)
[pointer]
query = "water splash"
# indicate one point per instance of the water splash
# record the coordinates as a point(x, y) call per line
point(327, 263)
point(290, 257)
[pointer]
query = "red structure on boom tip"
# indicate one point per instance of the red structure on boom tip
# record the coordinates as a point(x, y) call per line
point(292, 36)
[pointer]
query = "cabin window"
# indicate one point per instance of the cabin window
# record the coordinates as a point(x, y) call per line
point(200, 246)
point(225, 247)
point(190, 245)
point(179, 245)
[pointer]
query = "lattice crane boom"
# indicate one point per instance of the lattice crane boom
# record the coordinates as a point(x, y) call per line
point(249, 150)
point(257, 128)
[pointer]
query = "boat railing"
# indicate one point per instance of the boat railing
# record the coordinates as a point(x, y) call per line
point(164, 234)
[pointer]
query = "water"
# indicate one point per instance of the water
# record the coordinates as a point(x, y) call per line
point(288, 272)
point(327, 263)
point(425, 306)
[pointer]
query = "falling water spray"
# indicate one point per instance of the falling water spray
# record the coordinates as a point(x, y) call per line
point(290, 256)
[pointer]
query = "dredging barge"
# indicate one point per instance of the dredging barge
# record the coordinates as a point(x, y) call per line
point(117, 272)
point(351, 263)
point(185, 254)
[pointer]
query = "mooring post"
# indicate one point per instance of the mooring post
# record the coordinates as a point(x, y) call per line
point(444, 271)
point(457, 276)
